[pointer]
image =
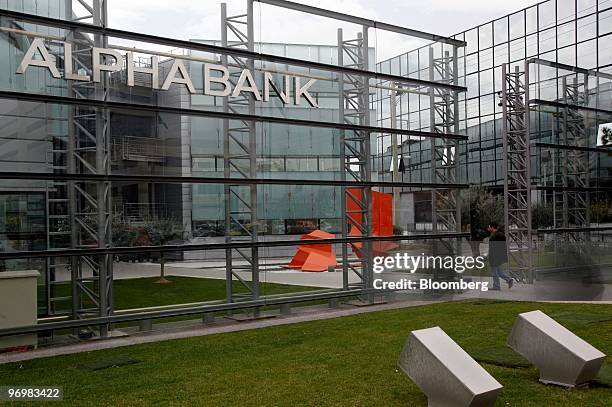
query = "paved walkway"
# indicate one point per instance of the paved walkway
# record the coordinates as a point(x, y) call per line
point(571, 290)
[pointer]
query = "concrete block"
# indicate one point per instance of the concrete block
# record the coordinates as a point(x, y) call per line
point(562, 357)
point(445, 372)
point(18, 306)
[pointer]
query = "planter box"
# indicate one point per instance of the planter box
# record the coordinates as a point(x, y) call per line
point(18, 307)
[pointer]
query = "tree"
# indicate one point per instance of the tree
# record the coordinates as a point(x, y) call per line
point(480, 208)
point(162, 231)
point(542, 216)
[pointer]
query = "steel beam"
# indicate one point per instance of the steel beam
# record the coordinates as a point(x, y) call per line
point(31, 254)
point(240, 158)
point(517, 171)
point(362, 21)
point(162, 179)
point(112, 105)
point(575, 208)
point(444, 120)
point(355, 154)
point(80, 209)
point(198, 46)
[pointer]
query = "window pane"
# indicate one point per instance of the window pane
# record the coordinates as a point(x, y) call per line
point(501, 54)
point(605, 45)
point(517, 25)
point(517, 50)
point(566, 34)
point(546, 15)
point(500, 31)
point(532, 45)
point(547, 40)
point(567, 55)
point(531, 16)
point(586, 7)
point(587, 55)
point(605, 22)
point(486, 59)
point(565, 10)
point(587, 28)
point(471, 37)
point(485, 36)
point(486, 82)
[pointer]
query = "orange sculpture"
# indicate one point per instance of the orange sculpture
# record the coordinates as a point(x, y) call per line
point(382, 220)
point(321, 257)
point(314, 257)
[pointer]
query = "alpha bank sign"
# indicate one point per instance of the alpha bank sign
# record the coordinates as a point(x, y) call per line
point(38, 55)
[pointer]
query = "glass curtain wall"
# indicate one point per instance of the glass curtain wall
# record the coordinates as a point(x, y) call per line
point(572, 32)
point(139, 174)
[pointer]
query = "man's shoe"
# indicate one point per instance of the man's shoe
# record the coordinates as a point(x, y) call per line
point(495, 288)
point(510, 283)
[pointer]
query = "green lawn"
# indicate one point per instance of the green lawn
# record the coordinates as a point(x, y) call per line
point(145, 292)
point(348, 361)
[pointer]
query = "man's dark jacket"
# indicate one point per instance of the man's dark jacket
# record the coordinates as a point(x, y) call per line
point(498, 253)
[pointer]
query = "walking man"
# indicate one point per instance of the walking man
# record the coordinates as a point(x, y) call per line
point(498, 255)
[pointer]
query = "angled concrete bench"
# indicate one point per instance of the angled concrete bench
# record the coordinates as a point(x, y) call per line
point(563, 358)
point(445, 372)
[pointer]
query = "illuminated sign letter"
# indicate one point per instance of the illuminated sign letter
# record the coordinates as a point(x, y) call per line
point(153, 71)
point(246, 76)
point(224, 80)
point(269, 83)
point(68, 73)
point(303, 90)
point(46, 61)
point(97, 66)
point(184, 79)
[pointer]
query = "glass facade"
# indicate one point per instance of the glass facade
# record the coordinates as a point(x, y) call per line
point(284, 151)
point(105, 164)
point(566, 44)
point(158, 156)
point(568, 32)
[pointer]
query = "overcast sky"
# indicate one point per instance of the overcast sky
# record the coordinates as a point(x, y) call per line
point(200, 19)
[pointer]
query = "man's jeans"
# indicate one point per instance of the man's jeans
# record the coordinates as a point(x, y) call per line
point(497, 272)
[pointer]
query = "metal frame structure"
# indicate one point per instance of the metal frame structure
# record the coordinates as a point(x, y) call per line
point(240, 158)
point(576, 203)
point(355, 155)
point(444, 119)
point(570, 186)
point(88, 178)
point(81, 210)
point(517, 167)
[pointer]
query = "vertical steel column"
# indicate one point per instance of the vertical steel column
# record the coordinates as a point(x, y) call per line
point(355, 152)
point(343, 163)
point(444, 119)
point(576, 169)
point(240, 156)
point(517, 170)
point(393, 93)
point(103, 188)
point(81, 210)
